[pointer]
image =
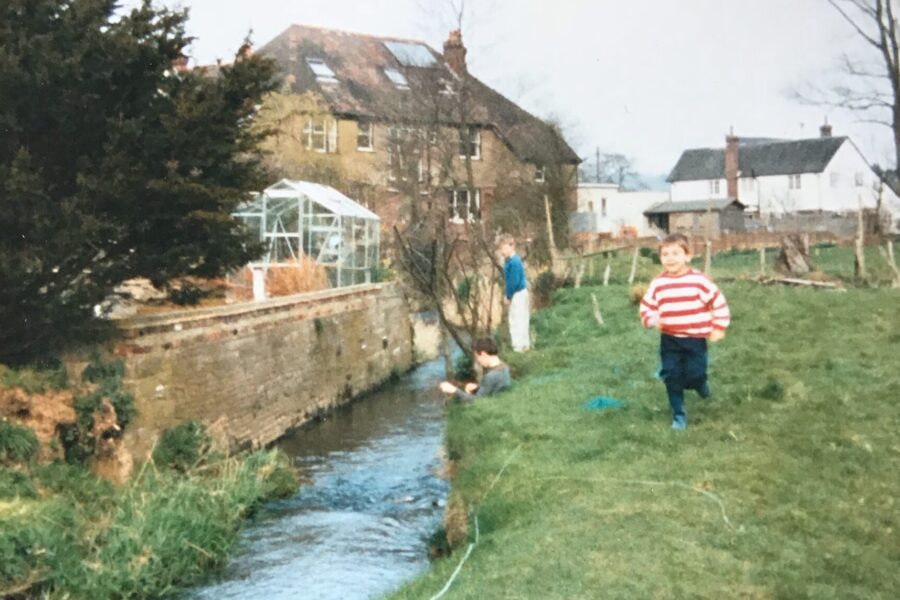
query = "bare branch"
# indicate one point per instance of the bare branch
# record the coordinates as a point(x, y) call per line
point(853, 22)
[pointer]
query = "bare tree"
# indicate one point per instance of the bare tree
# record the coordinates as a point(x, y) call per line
point(871, 87)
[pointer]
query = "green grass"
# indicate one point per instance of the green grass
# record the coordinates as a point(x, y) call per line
point(66, 534)
point(798, 443)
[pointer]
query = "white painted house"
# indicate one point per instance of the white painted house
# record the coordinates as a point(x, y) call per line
point(604, 208)
point(775, 177)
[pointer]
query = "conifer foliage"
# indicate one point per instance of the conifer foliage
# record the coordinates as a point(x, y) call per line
point(113, 163)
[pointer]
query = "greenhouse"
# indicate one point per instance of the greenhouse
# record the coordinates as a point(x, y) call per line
point(299, 221)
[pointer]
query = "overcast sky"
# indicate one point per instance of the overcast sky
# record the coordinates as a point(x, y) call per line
point(644, 78)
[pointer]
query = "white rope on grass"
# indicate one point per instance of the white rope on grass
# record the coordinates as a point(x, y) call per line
point(471, 547)
point(706, 493)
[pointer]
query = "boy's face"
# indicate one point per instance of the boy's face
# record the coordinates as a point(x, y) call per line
point(483, 358)
point(506, 250)
point(674, 259)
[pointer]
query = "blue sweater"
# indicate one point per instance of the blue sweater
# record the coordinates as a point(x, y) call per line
point(514, 273)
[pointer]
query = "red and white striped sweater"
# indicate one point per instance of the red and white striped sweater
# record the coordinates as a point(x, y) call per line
point(687, 305)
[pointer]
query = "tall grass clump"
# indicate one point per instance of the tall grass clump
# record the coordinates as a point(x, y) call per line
point(71, 535)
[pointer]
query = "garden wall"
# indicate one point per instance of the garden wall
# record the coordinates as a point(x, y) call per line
point(254, 370)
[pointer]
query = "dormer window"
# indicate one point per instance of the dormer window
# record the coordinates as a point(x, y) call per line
point(540, 174)
point(323, 72)
point(397, 78)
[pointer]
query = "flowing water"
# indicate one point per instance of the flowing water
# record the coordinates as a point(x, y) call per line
point(371, 497)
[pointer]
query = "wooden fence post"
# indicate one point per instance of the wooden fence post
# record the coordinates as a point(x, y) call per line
point(860, 262)
point(762, 261)
point(634, 260)
point(707, 261)
point(606, 273)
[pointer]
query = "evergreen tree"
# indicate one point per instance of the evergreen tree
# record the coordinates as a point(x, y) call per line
point(113, 163)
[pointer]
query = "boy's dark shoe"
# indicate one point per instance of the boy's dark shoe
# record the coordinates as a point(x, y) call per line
point(703, 390)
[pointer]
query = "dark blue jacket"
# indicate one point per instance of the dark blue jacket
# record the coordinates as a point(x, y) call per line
point(514, 273)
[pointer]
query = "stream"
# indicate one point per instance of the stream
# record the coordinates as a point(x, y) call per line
point(370, 498)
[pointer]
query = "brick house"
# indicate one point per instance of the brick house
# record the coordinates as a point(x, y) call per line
point(403, 128)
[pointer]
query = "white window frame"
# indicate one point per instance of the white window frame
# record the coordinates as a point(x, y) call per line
point(473, 142)
point(795, 182)
point(540, 174)
point(320, 134)
point(859, 179)
point(602, 207)
point(365, 130)
point(471, 216)
point(714, 186)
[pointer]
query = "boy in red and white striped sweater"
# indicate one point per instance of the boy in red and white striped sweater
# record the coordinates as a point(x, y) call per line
point(688, 309)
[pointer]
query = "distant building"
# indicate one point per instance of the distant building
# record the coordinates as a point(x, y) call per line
point(773, 178)
point(606, 210)
point(698, 218)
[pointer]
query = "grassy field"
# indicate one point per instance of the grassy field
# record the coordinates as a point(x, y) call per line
point(785, 485)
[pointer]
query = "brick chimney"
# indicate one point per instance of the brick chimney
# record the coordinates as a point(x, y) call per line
point(825, 130)
point(455, 52)
point(731, 165)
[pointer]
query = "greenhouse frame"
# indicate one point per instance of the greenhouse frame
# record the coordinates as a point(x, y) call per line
point(299, 218)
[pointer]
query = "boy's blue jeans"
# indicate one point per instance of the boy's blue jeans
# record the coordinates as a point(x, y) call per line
point(684, 363)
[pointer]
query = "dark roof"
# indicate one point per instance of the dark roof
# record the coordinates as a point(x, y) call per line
point(692, 206)
point(759, 158)
point(363, 90)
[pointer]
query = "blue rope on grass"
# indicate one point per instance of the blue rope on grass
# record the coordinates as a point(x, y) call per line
point(602, 403)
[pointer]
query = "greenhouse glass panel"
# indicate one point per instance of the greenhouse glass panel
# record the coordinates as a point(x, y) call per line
point(304, 223)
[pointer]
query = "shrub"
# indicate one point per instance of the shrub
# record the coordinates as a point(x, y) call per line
point(18, 444)
point(544, 286)
point(15, 484)
point(183, 446)
point(463, 367)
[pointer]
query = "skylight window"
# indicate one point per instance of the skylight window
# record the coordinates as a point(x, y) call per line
point(323, 73)
point(411, 55)
point(397, 78)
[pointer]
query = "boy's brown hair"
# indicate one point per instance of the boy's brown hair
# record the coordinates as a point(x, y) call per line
point(486, 345)
point(505, 238)
point(677, 239)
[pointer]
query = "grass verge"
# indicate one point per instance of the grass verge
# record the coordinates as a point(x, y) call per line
point(783, 486)
point(66, 534)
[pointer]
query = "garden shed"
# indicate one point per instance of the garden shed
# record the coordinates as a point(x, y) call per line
point(300, 221)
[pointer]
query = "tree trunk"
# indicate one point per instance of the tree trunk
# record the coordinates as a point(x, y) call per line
point(792, 260)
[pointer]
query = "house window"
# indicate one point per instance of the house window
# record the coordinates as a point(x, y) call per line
point(714, 186)
point(794, 182)
point(590, 206)
point(747, 184)
point(540, 174)
point(404, 147)
point(835, 179)
point(365, 136)
point(603, 207)
point(858, 179)
point(397, 78)
point(322, 72)
point(320, 134)
point(465, 206)
point(470, 147)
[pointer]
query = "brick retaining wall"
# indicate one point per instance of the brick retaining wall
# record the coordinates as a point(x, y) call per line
point(252, 371)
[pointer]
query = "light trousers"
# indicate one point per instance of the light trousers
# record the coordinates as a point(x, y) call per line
point(520, 321)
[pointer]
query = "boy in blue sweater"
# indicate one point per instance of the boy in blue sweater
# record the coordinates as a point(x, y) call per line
point(516, 296)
